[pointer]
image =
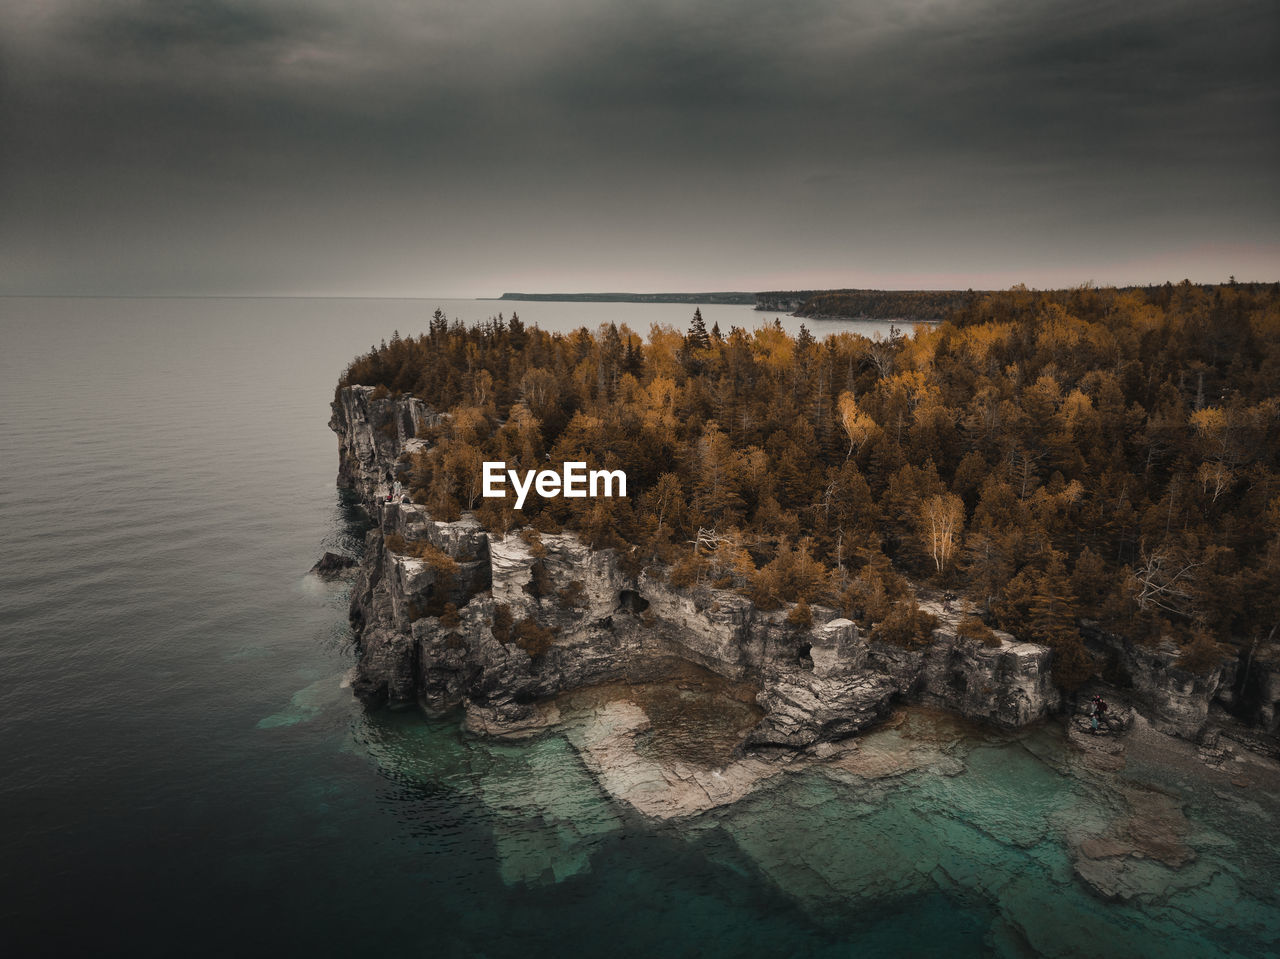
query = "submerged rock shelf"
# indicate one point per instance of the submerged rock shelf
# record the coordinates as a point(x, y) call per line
point(1054, 856)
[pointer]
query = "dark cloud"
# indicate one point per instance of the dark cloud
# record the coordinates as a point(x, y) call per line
point(438, 148)
point(168, 28)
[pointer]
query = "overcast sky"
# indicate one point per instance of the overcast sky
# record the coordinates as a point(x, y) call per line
point(397, 147)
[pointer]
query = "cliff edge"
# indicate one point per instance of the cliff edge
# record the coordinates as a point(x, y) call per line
point(504, 626)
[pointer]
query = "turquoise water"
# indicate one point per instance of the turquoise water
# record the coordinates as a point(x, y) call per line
point(184, 772)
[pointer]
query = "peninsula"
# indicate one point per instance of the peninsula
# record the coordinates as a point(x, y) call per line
point(908, 306)
point(1047, 495)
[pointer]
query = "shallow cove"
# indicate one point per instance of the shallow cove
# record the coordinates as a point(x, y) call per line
point(694, 716)
point(933, 837)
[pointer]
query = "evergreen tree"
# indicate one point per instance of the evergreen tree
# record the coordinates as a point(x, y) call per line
point(697, 338)
point(1052, 616)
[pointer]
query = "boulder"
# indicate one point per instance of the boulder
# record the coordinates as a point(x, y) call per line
point(333, 565)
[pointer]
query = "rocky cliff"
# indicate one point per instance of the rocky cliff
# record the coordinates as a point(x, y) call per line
point(1174, 700)
point(1238, 696)
point(374, 430)
point(531, 618)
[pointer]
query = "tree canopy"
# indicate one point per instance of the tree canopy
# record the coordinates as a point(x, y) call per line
point(1089, 453)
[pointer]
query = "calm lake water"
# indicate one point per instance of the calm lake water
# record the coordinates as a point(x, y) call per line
point(183, 772)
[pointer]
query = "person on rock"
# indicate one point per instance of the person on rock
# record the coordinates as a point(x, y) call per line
point(1097, 709)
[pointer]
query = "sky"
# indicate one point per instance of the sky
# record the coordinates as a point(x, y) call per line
point(423, 148)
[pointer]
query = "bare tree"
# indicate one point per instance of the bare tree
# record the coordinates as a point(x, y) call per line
point(883, 353)
point(858, 426)
point(941, 521)
point(1162, 581)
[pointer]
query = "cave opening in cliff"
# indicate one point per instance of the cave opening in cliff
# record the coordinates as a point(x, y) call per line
point(804, 655)
point(630, 601)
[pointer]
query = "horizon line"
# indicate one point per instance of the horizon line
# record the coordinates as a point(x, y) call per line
point(504, 297)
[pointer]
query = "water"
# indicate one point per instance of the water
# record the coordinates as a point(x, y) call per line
point(183, 772)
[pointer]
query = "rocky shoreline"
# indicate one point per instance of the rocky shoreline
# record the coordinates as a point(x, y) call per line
point(582, 622)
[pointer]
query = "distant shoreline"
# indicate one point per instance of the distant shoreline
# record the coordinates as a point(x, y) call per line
point(892, 306)
point(709, 299)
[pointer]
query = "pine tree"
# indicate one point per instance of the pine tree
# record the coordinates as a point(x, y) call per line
point(1089, 581)
point(715, 486)
point(1052, 615)
point(698, 339)
point(1053, 604)
point(633, 359)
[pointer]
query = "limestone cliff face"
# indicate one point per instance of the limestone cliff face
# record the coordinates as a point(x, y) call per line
point(1010, 684)
point(1175, 700)
point(373, 431)
point(782, 302)
point(577, 619)
point(1251, 687)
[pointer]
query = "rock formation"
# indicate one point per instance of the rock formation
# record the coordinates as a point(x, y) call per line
point(1242, 696)
point(332, 565)
point(532, 619)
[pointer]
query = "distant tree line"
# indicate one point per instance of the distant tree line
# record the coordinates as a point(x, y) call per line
point(1098, 454)
point(731, 299)
point(907, 305)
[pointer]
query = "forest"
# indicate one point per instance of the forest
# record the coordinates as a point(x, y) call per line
point(1055, 457)
point(736, 299)
point(910, 305)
